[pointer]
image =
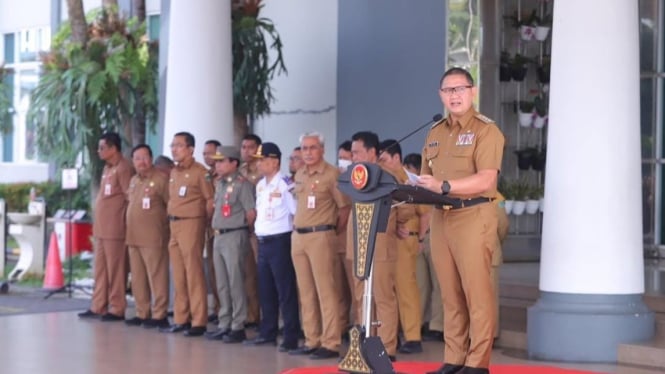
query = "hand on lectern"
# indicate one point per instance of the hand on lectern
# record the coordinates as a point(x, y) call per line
point(429, 182)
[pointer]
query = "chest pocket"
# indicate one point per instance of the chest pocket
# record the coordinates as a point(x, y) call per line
point(462, 158)
point(431, 152)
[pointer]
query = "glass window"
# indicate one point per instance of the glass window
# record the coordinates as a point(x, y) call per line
point(153, 27)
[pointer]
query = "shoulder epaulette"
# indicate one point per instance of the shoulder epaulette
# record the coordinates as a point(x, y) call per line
point(438, 123)
point(484, 118)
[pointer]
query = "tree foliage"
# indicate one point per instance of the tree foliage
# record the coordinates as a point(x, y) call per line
point(253, 37)
point(102, 85)
point(6, 109)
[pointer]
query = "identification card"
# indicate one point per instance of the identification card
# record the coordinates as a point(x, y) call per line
point(226, 210)
point(269, 214)
point(107, 189)
point(311, 202)
point(182, 192)
point(146, 203)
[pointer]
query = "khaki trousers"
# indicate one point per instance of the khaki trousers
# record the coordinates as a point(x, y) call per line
point(150, 281)
point(406, 286)
point(314, 256)
point(252, 282)
point(430, 292)
point(110, 272)
point(463, 241)
point(385, 303)
point(186, 255)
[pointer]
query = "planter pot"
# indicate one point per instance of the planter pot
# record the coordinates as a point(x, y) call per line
point(538, 162)
point(541, 206)
point(525, 119)
point(508, 205)
point(527, 32)
point(541, 33)
point(518, 73)
point(519, 207)
point(543, 75)
point(504, 74)
point(539, 122)
point(532, 206)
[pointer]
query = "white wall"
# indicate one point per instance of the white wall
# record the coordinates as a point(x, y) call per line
point(15, 172)
point(309, 33)
point(16, 15)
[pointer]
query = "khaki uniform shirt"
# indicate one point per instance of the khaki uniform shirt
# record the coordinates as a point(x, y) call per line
point(460, 149)
point(111, 203)
point(317, 197)
point(238, 193)
point(190, 191)
point(250, 172)
point(147, 225)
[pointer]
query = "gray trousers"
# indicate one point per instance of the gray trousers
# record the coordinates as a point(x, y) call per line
point(230, 252)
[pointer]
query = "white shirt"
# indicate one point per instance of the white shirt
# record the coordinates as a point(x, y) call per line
point(275, 206)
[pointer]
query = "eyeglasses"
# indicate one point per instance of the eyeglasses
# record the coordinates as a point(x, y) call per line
point(454, 90)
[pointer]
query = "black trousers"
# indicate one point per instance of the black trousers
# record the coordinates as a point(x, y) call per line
point(278, 290)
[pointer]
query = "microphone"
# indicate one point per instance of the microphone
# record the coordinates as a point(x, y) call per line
point(436, 119)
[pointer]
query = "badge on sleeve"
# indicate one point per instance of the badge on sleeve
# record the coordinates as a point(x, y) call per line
point(107, 189)
point(182, 192)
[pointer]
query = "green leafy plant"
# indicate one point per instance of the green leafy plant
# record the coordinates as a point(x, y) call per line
point(107, 84)
point(252, 39)
point(6, 108)
point(506, 188)
point(521, 189)
point(540, 105)
point(525, 106)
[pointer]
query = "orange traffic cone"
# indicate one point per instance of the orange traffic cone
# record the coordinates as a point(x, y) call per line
point(53, 277)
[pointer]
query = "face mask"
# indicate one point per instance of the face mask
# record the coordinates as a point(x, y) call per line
point(344, 164)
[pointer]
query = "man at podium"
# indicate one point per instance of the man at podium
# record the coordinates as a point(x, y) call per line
point(462, 159)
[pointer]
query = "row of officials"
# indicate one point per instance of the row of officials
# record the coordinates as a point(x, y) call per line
point(273, 246)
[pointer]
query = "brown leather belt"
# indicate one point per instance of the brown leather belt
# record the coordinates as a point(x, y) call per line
point(310, 229)
point(175, 218)
point(224, 231)
point(465, 203)
point(414, 233)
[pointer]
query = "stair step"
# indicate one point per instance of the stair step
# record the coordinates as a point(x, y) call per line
point(650, 353)
point(510, 339)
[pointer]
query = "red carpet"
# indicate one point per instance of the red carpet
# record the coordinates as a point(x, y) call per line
point(422, 367)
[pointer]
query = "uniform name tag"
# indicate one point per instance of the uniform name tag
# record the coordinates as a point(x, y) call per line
point(145, 203)
point(465, 139)
point(311, 202)
point(182, 192)
point(107, 189)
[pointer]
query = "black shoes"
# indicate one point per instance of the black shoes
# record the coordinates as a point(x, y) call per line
point(176, 328)
point(302, 351)
point(213, 319)
point(323, 353)
point(155, 323)
point(448, 369)
point(218, 334)
point(260, 341)
point(234, 336)
point(433, 336)
point(110, 317)
point(412, 346)
point(136, 321)
point(472, 370)
point(89, 314)
point(195, 331)
point(287, 347)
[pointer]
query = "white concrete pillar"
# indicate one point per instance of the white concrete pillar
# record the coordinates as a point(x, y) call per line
point(592, 268)
point(199, 95)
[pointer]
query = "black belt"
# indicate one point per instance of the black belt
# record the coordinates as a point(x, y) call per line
point(310, 229)
point(266, 238)
point(465, 203)
point(224, 231)
point(175, 218)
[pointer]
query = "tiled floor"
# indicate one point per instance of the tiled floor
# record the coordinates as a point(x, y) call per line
point(60, 343)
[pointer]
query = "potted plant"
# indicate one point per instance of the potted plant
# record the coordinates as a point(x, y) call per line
point(525, 113)
point(518, 67)
point(543, 70)
point(543, 29)
point(525, 157)
point(521, 190)
point(540, 106)
point(504, 67)
point(507, 190)
point(538, 160)
point(528, 27)
point(533, 200)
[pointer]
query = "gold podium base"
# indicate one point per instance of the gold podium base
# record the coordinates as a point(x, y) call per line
point(353, 361)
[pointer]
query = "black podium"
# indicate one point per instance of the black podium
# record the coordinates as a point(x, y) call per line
point(372, 192)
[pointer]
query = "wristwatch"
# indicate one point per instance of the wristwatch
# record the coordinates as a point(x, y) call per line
point(445, 188)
